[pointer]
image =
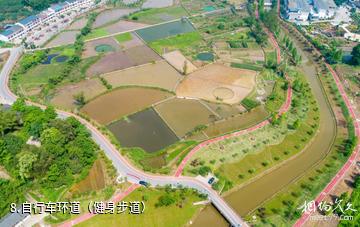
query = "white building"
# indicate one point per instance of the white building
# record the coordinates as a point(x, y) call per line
point(26, 25)
point(297, 10)
point(323, 9)
point(11, 33)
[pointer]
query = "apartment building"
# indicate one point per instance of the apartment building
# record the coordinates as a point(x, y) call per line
point(26, 25)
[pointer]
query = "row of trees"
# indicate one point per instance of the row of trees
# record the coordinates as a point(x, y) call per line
point(65, 154)
point(79, 47)
point(289, 45)
point(256, 30)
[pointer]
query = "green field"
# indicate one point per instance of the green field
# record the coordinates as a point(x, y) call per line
point(154, 16)
point(176, 214)
point(38, 76)
point(160, 161)
point(247, 66)
point(123, 37)
point(277, 97)
point(96, 33)
point(189, 44)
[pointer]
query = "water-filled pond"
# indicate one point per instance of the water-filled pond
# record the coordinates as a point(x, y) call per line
point(163, 31)
point(206, 56)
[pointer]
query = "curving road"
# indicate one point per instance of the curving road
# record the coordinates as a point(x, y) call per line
point(121, 164)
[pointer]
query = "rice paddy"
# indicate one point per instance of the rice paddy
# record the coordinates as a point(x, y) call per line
point(145, 130)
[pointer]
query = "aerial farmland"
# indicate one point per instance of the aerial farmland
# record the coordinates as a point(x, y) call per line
point(199, 89)
point(187, 67)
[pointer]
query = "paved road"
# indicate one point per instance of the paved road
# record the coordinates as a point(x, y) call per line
point(121, 164)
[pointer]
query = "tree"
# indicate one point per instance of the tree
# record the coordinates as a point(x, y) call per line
point(8, 120)
point(26, 161)
point(52, 136)
point(355, 60)
point(80, 99)
point(50, 113)
point(296, 124)
point(185, 67)
point(204, 170)
point(165, 200)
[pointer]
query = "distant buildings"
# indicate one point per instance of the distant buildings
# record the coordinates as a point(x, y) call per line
point(323, 9)
point(297, 10)
point(20, 29)
point(303, 10)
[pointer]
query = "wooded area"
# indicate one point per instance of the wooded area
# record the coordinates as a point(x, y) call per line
point(61, 153)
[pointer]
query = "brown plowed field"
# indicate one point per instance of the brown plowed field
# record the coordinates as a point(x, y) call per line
point(122, 60)
point(218, 83)
point(183, 115)
point(121, 102)
point(122, 26)
point(159, 74)
point(64, 97)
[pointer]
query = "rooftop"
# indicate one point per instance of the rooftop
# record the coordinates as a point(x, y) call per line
point(11, 30)
point(324, 4)
point(298, 5)
point(59, 6)
point(28, 20)
point(11, 219)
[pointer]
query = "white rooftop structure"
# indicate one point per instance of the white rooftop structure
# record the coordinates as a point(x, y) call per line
point(323, 9)
point(298, 10)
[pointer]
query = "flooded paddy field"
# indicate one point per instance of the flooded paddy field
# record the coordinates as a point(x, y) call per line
point(145, 130)
point(77, 24)
point(159, 74)
point(157, 3)
point(122, 26)
point(64, 38)
point(165, 30)
point(111, 15)
point(121, 102)
point(183, 115)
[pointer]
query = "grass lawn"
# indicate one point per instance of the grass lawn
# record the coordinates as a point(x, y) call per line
point(270, 57)
point(97, 33)
point(179, 148)
point(189, 44)
point(123, 37)
point(38, 75)
point(159, 161)
point(158, 15)
point(172, 215)
point(277, 96)
point(63, 50)
point(247, 66)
